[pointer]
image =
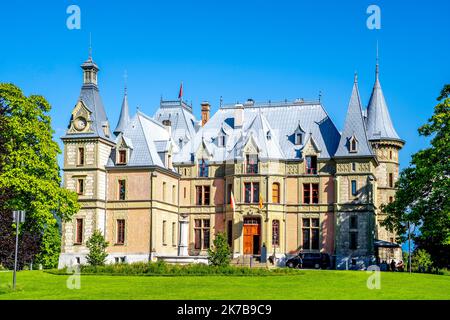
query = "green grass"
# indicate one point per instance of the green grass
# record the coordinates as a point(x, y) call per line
point(307, 284)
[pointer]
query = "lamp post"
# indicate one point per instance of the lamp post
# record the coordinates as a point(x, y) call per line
point(409, 247)
point(18, 217)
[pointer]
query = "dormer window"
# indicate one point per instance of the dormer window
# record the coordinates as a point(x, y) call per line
point(311, 165)
point(353, 144)
point(251, 163)
point(167, 123)
point(122, 157)
point(221, 141)
point(269, 135)
point(298, 138)
point(203, 168)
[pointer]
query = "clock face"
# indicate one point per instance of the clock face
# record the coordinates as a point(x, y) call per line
point(80, 123)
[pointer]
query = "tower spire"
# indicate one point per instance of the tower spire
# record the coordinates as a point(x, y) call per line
point(377, 69)
point(124, 117)
point(90, 46)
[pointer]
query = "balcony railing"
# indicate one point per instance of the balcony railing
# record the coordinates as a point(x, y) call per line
point(251, 168)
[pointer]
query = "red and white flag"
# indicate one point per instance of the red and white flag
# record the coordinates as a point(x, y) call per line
point(233, 204)
point(180, 94)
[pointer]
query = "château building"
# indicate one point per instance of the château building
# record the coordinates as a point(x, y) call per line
point(162, 186)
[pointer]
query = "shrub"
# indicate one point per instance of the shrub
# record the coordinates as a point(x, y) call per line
point(97, 249)
point(421, 261)
point(220, 255)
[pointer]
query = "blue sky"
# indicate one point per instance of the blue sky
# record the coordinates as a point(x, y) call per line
point(265, 50)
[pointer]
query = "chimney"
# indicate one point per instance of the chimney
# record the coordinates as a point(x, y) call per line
point(206, 107)
point(238, 116)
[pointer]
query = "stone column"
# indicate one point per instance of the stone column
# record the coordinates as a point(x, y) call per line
point(184, 237)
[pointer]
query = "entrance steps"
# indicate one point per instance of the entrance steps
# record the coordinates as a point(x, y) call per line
point(251, 262)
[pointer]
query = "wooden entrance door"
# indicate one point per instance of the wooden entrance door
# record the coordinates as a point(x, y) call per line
point(252, 232)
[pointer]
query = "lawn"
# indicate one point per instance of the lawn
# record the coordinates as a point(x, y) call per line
point(308, 284)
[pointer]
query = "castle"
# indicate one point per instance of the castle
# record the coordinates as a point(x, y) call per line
point(273, 175)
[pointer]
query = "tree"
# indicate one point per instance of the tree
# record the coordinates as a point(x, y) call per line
point(220, 255)
point(421, 260)
point(422, 198)
point(29, 174)
point(97, 249)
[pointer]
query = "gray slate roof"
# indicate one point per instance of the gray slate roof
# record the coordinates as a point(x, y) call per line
point(183, 122)
point(281, 119)
point(354, 127)
point(124, 117)
point(90, 96)
point(146, 137)
point(379, 123)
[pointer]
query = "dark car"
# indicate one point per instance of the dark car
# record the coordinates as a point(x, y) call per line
point(310, 260)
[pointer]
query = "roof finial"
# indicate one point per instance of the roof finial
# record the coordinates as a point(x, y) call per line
point(221, 101)
point(356, 77)
point(377, 71)
point(320, 96)
point(90, 46)
point(125, 77)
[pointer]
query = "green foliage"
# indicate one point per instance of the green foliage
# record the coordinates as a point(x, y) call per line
point(162, 268)
point(220, 255)
point(421, 261)
point(424, 187)
point(97, 249)
point(29, 171)
point(50, 248)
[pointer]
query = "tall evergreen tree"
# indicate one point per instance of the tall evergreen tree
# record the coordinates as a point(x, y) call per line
point(29, 178)
point(423, 192)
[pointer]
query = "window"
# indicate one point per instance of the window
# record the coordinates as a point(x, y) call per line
point(221, 141)
point(275, 233)
point(230, 233)
point(81, 156)
point(164, 191)
point(120, 231)
point(251, 190)
point(174, 194)
point(391, 180)
point(79, 231)
point(252, 163)
point(311, 193)
point(392, 240)
point(167, 123)
point(122, 156)
point(353, 166)
point(80, 186)
point(184, 192)
point(122, 189)
point(311, 165)
point(391, 199)
point(164, 232)
point(310, 232)
point(353, 222)
point(390, 154)
point(269, 135)
point(202, 234)
point(353, 144)
point(202, 195)
point(276, 193)
point(354, 188)
point(203, 167)
point(298, 138)
point(174, 234)
point(353, 240)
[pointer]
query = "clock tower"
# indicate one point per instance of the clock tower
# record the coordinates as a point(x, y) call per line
point(87, 146)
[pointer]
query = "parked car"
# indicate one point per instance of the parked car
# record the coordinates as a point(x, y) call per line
point(310, 260)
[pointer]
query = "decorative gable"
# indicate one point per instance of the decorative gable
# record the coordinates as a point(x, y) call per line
point(311, 147)
point(80, 121)
point(251, 147)
point(203, 152)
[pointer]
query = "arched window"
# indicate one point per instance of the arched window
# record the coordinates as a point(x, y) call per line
point(221, 140)
point(353, 144)
point(275, 233)
point(276, 193)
